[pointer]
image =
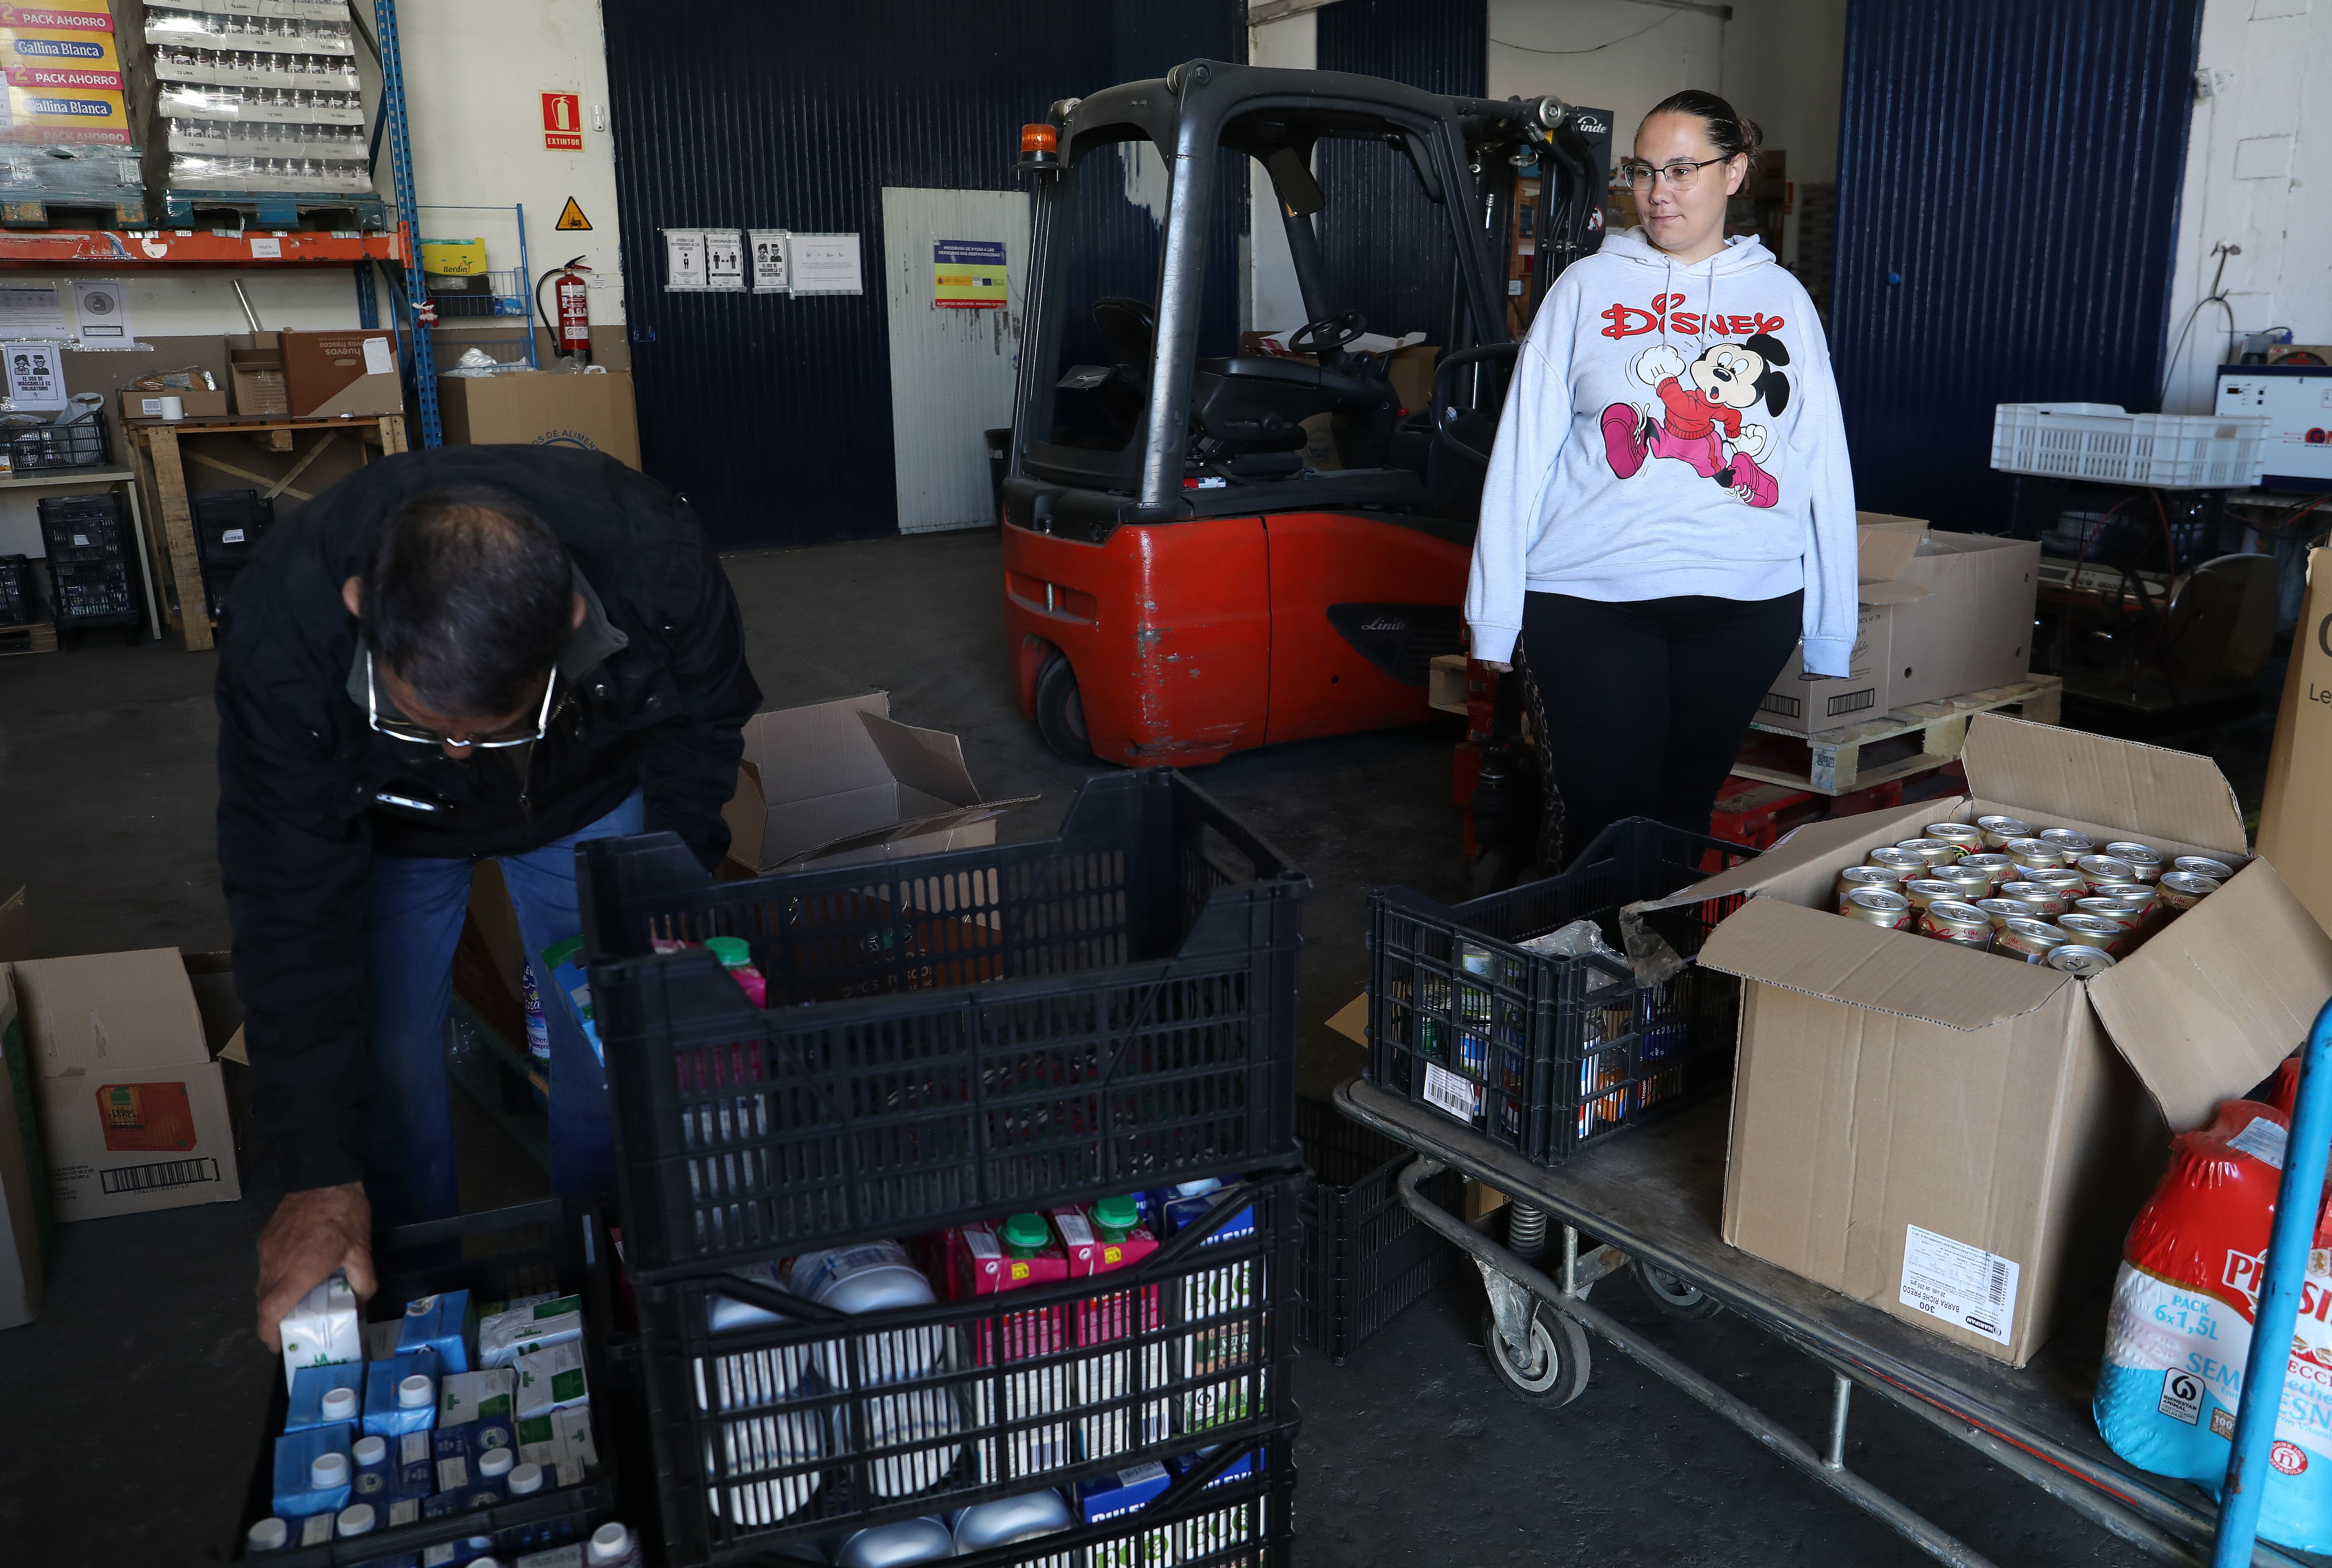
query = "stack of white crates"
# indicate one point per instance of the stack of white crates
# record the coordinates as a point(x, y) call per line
point(259, 97)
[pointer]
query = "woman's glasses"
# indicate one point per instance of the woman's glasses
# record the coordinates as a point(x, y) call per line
point(1680, 175)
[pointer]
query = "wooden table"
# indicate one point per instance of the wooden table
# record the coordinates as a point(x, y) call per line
point(154, 445)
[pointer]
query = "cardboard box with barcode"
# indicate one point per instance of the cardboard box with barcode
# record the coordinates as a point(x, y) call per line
point(351, 372)
point(843, 783)
point(1959, 1140)
point(1939, 614)
point(124, 1062)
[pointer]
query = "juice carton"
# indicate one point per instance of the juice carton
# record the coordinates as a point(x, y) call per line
point(1107, 1237)
point(988, 1260)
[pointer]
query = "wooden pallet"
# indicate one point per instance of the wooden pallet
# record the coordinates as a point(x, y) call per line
point(1858, 757)
point(270, 209)
point(74, 212)
point(38, 637)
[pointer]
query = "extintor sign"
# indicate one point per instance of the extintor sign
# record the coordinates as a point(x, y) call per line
point(562, 121)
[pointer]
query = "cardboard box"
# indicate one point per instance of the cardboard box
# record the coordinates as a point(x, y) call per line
point(541, 408)
point(24, 1221)
point(351, 372)
point(133, 1105)
point(843, 783)
point(1902, 1100)
point(1941, 614)
point(197, 403)
point(2294, 830)
point(254, 373)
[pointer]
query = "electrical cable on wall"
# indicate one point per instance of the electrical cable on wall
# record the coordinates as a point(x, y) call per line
point(2217, 296)
point(1639, 32)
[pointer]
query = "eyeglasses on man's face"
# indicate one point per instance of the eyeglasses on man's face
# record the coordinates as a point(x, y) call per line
point(398, 729)
point(1680, 175)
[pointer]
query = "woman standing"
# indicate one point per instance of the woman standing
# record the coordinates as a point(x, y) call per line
point(1669, 508)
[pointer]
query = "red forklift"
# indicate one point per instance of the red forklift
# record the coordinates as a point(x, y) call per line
point(1206, 548)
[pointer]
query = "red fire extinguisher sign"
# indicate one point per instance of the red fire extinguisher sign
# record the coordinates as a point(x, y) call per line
point(562, 121)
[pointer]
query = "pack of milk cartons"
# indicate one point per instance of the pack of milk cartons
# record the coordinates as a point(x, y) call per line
point(440, 1410)
point(65, 130)
point(259, 95)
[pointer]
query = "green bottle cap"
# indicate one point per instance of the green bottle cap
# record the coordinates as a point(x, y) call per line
point(1117, 1217)
point(1025, 1235)
point(733, 952)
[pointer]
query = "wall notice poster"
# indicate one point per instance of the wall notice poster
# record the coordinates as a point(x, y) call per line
point(724, 259)
point(768, 249)
point(36, 376)
point(968, 275)
point(684, 261)
point(824, 264)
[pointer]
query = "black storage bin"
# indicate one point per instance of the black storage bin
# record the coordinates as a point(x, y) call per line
point(44, 448)
point(1541, 1053)
point(93, 568)
point(801, 1430)
point(16, 606)
point(557, 1244)
point(228, 526)
point(1365, 1258)
point(949, 1036)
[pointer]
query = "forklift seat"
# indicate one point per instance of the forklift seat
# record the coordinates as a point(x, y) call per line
point(1130, 326)
point(1258, 402)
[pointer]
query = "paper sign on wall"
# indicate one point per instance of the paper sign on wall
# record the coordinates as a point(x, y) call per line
point(767, 247)
point(684, 261)
point(31, 311)
point(36, 376)
point(103, 307)
point(724, 259)
point(968, 275)
point(824, 264)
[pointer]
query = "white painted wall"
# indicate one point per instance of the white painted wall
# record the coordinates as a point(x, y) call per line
point(1271, 300)
point(2252, 180)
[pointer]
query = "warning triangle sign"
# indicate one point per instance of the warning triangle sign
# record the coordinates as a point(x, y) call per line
point(571, 216)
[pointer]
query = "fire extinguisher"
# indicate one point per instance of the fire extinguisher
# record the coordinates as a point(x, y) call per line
point(572, 332)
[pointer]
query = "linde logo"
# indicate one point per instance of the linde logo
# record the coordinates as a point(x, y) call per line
point(1385, 624)
point(60, 49)
point(1590, 125)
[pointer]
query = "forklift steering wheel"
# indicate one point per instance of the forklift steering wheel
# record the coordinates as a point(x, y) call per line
point(1327, 334)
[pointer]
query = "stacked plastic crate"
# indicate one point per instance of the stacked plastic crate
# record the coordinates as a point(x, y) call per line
point(66, 138)
point(960, 1191)
point(261, 107)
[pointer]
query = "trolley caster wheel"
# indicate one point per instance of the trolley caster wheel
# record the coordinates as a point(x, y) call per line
point(1555, 1371)
point(1061, 712)
point(1673, 1295)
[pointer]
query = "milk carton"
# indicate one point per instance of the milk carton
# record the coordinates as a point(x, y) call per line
point(323, 1330)
point(1115, 1497)
point(313, 1473)
point(324, 1396)
point(550, 1380)
point(400, 1395)
point(438, 1323)
point(518, 1330)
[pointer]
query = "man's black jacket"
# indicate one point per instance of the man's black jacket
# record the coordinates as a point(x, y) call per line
point(656, 690)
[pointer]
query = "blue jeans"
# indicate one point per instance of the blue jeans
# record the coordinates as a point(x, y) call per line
point(416, 909)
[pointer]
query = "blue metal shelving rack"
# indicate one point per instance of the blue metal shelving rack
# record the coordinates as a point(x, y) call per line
point(400, 159)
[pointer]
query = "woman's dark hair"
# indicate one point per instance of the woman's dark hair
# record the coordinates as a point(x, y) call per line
point(469, 596)
point(1732, 132)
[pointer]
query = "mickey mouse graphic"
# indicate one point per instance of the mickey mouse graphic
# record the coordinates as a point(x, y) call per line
point(1710, 395)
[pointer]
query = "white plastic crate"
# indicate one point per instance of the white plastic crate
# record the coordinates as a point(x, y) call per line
point(2103, 442)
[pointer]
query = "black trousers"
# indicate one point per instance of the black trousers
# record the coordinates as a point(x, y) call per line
point(1640, 707)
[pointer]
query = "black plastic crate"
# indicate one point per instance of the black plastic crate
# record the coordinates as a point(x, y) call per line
point(16, 606)
point(805, 1430)
point(1365, 1258)
point(228, 526)
point(43, 448)
point(1547, 1054)
point(556, 1245)
point(92, 561)
point(949, 1036)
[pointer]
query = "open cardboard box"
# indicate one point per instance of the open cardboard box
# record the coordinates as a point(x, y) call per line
point(1961, 1139)
point(843, 783)
point(1939, 613)
point(123, 1051)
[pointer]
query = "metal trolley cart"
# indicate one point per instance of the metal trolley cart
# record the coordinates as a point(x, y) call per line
point(1650, 1202)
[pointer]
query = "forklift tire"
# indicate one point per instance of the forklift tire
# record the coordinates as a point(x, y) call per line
point(1061, 712)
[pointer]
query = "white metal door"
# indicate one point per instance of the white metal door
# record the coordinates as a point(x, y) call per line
point(951, 367)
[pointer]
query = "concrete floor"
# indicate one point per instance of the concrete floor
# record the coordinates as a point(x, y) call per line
point(131, 1410)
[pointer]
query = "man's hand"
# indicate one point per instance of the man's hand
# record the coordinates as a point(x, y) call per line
point(1494, 665)
point(309, 1235)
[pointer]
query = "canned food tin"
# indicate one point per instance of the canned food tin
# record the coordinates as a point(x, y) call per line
point(1998, 830)
point(1877, 906)
point(2063, 878)
point(1998, 867)
point(1923, 891)
point(1963, 924)
point(2144, 893)
point(1934, 851)
point(2072, 845)
point(2183, 890)
point(2144, 858)
point(1967, 837)
point(2203, 866)
point(2126, 912)
point(2084, 929)
point(1909, 862)
point(2041, 902)
point(2030, 939)
point(2001, 911)
point(1973, 884)
point(1855, 877)
point(2078, 958)
point(2096, 868)
point(2032, 852)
